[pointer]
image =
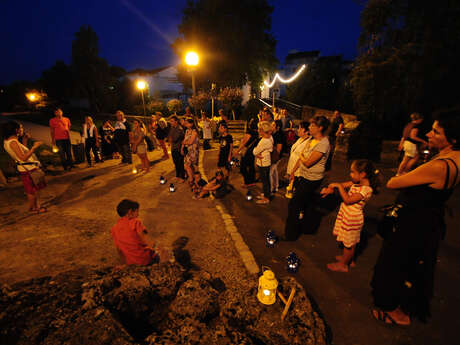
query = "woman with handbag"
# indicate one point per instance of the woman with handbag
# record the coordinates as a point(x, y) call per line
point(402, 283)
point(28, 165)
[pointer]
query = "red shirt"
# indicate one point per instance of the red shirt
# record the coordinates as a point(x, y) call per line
point(61, 128)
point(126, 238)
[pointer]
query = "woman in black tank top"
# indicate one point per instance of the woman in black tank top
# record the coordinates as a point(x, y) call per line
point(402, 283)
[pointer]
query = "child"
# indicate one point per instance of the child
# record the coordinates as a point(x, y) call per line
point(130, 237)
point(262, 152)
point(350, 219)
point(216, 186)
point(198, 183)
point(225, 148)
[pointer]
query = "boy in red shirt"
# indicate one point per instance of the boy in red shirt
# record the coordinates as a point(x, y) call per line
point(130, 237)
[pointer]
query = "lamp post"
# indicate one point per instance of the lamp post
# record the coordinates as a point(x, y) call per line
point(141, 85)
point(192, 59)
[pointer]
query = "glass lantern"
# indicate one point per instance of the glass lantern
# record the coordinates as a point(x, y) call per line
point(162, 180)
point(248, 196)
point(55, 149)
point(172, 188)
point(266, 293)
point(270, 239)
point(293, 262)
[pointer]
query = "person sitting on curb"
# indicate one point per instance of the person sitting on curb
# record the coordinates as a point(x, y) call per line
point(198, 183)
point(216, 186)
point(130, 237)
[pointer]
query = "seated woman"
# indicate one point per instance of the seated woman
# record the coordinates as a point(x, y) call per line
point(26, 162)
point(216, 186)
point(402, 284)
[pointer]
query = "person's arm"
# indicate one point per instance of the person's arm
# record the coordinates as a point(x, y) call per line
point(230, 152)
point(414, 136)
point(431, 173)
point(243, 143)
point(314, 158)
point(20, 154)
point(347, 199)
point(339, 130)
point(96, 135)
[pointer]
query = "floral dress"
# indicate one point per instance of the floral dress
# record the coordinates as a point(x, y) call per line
point(191, 158)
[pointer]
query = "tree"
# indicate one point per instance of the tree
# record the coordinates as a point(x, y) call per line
point(231, 98)
point(233, 40)
point(408, 60)
point(58, 81)
point(199, 101)
point(174, 105)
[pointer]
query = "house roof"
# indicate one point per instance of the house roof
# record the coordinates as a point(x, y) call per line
point(142, 71)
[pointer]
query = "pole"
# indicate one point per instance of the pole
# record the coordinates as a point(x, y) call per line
point(213, 87)
point(273, 92)
point(143, 103)
point(193, 84)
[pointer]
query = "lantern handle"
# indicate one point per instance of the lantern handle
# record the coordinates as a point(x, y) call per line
point(265, 268)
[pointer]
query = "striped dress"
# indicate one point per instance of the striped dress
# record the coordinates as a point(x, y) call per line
point(350, 218)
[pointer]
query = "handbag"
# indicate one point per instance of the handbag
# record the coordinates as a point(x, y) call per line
point(37, 174)
point(387, 224)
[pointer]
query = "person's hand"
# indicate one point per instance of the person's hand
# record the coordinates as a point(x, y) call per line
point(400, 147)
point(333, 185)
point(326, 191)
point(37, 144)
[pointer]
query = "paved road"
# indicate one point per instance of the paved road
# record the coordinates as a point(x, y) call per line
point(344, 299)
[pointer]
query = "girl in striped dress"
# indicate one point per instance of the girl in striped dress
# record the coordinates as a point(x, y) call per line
point(350, 219)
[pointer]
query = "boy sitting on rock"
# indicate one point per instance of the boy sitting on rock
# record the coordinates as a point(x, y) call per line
point(130, 237)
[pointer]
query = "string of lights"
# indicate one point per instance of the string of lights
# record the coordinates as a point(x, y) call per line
point(285, 81)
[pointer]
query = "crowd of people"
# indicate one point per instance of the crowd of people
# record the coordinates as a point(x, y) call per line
point(402, 283)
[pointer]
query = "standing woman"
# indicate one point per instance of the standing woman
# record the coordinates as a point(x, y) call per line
point(311, 167)
point(91, 137)
point(409, 142)
point(298, 147)
point(249, 141)
point(161, 132)
point(26, 163)
point(402, 284)
point(107, 146)
point(189, 148)
point(139, 145)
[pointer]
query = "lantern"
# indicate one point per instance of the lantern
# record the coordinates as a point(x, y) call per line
point(234, 162)
point(270, 239)
point(248, 196)
point(55, 149)
point(134, 170)
point(293, 262)
point(162, 180)
point(266, 292)
point(171, 188)
point(426, 155)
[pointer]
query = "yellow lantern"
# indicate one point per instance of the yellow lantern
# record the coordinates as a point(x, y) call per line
point(134, 170)
point(55, 149)
point(268, 284)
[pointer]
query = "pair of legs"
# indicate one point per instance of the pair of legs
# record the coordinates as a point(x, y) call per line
point(247, 169)
point(90, 145)
point(265, 177)
point(178, 161)
point(274, 177)
point(125, 152)
point(65, 153)
point(190, 169)
point(344, 260)
point(145, 161)
point(163, 147)
point(407, 163)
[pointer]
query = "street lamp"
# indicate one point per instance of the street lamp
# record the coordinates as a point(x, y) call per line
point(192, 59)
point(141, 85)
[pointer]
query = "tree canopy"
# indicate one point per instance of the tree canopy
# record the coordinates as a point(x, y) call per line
point(408, 58)
point(233, 40)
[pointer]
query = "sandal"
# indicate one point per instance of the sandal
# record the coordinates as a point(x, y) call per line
point(383, 316)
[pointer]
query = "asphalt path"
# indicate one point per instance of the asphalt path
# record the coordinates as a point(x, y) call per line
point(344, 299)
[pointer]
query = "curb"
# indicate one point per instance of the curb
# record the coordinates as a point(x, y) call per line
point(245, 253)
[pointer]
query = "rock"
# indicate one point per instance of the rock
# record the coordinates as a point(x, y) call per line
point(158, 304)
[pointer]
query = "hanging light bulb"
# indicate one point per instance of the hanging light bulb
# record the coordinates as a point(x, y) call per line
point(172, 188)
point(248, 196)
point(162, 180)
point(270, 239)
point(293, 262)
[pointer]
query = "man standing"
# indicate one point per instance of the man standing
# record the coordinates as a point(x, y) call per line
point(225, 148)
point(60, 137)
point(122, 137)
point(176, 135)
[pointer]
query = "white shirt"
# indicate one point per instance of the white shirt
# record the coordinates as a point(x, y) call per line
point(264, 147)
point(296, 149)
point(207, 129)
point(31, 159)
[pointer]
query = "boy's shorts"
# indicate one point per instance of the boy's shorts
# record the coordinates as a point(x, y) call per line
point(410, 149)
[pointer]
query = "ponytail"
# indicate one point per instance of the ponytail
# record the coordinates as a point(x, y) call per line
point(373, 175)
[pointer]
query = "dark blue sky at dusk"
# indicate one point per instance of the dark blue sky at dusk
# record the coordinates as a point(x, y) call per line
point(138, 33)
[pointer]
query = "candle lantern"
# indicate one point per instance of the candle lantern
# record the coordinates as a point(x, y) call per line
point(268, 284)
point(162, 180)
point(248, 196)
point(234, 162)
point(293, 262)
point(290, 190)
point(55, 149)
point(270, 239)
point(172, 188)
point(134, 170)
point(426, 155)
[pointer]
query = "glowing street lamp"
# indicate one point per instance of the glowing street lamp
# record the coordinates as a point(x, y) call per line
point(142, 85)
point(192, 59)
point(32, 96)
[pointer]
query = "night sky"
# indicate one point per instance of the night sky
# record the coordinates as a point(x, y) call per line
point(137, 33)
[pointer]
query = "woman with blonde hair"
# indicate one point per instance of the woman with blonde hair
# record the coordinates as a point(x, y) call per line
point(92, 141)
point(139, 145)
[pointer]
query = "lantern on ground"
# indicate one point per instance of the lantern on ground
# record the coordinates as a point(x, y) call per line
point(172, 188)
point(162, 180)
point(234, 162)
point(248, 196)
point(134, 170)
point(55, 149)
point(268, 284)
point(293, 262)
point(270, 239)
